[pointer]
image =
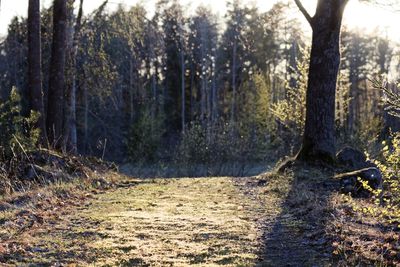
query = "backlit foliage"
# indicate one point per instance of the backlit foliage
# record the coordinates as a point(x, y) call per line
point(291, 112)
point(390, 167)
point(17, 133)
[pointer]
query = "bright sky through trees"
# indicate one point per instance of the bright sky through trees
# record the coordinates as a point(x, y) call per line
point(358, 15)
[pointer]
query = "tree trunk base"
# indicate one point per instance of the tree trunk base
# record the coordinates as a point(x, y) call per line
point(322, 161)
point(314, 155)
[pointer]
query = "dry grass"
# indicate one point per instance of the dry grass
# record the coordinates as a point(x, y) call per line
point(295, 218)
point(174, 222)
point(297, 236)
point(361, 238)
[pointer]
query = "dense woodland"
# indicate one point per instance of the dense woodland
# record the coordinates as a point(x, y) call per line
point(184, 87)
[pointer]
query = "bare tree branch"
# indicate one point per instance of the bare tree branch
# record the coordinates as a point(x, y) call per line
point(390, 5)
point(304, 11)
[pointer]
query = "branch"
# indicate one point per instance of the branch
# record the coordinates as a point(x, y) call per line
point(391, 5)
point(304, 11)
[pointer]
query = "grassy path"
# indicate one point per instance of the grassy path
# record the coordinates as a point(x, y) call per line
point(172, 222)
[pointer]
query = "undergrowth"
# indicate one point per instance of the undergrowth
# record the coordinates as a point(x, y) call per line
point(385, 202)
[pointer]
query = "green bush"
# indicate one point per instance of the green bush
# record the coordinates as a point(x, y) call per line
point(221, 143)
point(18, 134)
point(290, 112)
point(390, 167)
point(144, 137)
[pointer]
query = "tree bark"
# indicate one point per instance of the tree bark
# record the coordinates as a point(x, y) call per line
point(183, 76)
point(183, 106)
point(319, 132)
point(203, 76)
point(192, 98)
point(70, 138)
point(354, 76)
point(35, 66)
point(233, 107)
point(131, 88)
point(214, 93)
point(57, 79)
point(85, 114)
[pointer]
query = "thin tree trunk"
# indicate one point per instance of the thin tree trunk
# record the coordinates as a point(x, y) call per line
point(275, 96)
point(183, 72)
point(156, 99)
point(153, 72)
point(69, 39)
point(35, 66)
point(85, 115)
point(191, 92)
point(203, 98)
point(73, 127)
point(214, 111)
point(233, 107)
point(73, 131)
point(203, 56)
point(352, 102)
point(214, 93)
point(131, 85)
point(70, 138)
point(57, 80)
point(154, 91)
point(183, 89)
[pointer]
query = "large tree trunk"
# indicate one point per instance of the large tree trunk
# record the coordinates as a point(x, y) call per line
point(57, 80)
point(319, 132)
point(35, 66)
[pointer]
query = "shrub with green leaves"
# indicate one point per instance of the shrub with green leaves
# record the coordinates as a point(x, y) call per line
point(17, 133)
point(390, 167)
point(145, 136)
point(387, 203)
point(221, 143)
point(290, 112)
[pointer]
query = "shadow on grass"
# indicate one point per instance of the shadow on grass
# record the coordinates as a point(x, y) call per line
point(235, 169)
point(297, 237)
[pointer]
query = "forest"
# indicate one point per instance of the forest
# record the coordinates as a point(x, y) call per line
point(180, 136)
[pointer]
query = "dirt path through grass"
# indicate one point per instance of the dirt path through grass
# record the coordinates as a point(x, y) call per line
point(164, 222)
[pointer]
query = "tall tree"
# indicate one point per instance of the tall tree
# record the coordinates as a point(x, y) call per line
point(319, 132)
point(182, 45)
point(153, 47)
point(236, 58)
point(55, 109)
point(70, 138)
point(357, 50)
point(35, 65)
point(203, 44)
point(173, 22)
